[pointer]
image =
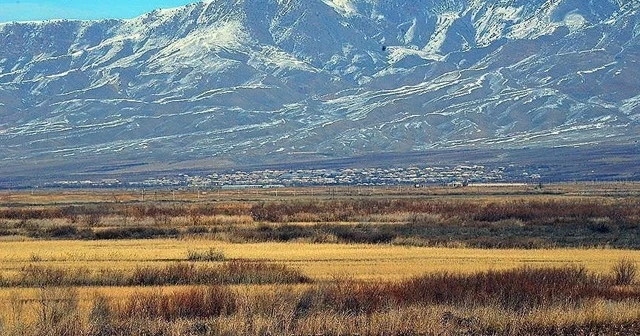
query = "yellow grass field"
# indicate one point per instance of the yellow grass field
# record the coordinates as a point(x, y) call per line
point(319, 261)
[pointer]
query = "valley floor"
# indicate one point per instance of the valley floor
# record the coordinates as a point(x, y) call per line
point(323, 262)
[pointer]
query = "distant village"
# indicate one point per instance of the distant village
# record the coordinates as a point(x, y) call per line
point(456, 176)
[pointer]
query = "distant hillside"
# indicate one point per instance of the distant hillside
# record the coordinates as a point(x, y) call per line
point(231, 83)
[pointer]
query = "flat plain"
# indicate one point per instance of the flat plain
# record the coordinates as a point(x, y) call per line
point(319, 261)
point(358, 256)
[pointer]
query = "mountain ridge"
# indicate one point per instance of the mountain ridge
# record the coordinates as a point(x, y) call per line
point(284, 81)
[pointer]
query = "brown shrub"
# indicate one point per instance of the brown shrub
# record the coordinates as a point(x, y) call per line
point(58, 312)
point(196, 302)
point(624, 272)
point(518, 289)
point(233, 272)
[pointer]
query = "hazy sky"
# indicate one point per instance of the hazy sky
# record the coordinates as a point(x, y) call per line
point(32, 10)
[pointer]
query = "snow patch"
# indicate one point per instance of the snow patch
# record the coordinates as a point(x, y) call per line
point(490, 27)
point(445, 20)
point(397, 54)
point(631, 107)
point(273, 57)
point(202, 47)
point(343, 7)
point(536, 25)
point(409, 35)
point(594, 70)
point(574, 22)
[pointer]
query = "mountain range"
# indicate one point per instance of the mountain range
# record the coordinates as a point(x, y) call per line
point(227, 84)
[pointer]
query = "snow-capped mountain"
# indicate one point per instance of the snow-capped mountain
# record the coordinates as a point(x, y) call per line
point(288, 80)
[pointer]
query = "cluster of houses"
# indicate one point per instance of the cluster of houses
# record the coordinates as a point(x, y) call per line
point(460, 175)
point(328, 177)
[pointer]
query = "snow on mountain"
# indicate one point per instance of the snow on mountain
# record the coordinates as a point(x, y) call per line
point(255, 80)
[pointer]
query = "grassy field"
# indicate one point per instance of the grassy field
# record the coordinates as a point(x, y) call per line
point(319, 261)
point(519, 260)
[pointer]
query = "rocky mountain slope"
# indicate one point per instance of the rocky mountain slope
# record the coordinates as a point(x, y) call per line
point(268, 81)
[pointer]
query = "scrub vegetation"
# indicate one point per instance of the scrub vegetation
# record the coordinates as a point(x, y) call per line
point(533, 221)
point(562, 261)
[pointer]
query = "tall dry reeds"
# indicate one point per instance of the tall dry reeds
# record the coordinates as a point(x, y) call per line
point(192, 303)
point(523, 301)
point(231, 272)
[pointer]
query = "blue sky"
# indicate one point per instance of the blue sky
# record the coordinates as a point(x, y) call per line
point(35, 10)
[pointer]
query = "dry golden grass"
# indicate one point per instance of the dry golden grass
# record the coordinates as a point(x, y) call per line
point(269, 307)
point(320, 261)
point(272, 307)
